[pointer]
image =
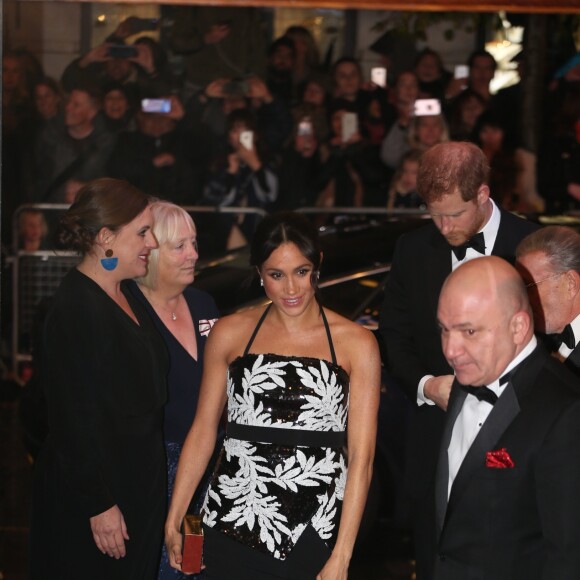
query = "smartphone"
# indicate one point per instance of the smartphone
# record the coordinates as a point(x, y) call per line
point(144, 24)
point(247, 139)
point(156, 105)
point(305, 127)
point(349, 126)
point(122, 51)
point(427, 107)
point(379, 76)
point(461, 71)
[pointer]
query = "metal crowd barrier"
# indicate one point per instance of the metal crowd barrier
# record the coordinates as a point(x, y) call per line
point(37, 275)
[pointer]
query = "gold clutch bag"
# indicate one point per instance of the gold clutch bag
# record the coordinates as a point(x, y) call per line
point(192, 545)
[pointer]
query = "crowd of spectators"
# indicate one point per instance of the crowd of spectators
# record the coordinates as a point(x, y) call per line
point(318, 135)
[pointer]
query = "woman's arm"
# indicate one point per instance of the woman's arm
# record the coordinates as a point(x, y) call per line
point(365, 376)
point(200, 442)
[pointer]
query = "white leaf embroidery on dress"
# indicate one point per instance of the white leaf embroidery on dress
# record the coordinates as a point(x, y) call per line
point(249, 486)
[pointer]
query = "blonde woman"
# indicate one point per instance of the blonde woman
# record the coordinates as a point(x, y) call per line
point(184, 317)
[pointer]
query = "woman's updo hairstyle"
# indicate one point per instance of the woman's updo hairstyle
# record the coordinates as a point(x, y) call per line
point(282, 228)
point(106, 202)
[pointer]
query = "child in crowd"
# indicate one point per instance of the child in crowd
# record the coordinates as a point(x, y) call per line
point(403, 189)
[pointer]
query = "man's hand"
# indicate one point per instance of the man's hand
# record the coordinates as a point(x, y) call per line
point(257, 89)
point(98, 54)
point(144, 58)
point(215, 89)
point(163, 160)
point(437, 389)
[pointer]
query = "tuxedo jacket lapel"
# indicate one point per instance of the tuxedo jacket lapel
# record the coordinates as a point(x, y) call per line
point(504, 244)
point(456, 400)
point(573, 360)
point(437, 268)
point(504, 412)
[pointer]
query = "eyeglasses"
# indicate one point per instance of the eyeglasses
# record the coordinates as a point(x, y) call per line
point(532, 284)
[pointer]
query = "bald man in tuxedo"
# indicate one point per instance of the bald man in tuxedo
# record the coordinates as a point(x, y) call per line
point(506, 490)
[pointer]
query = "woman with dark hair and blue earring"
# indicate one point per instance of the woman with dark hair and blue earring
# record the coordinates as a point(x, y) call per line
point(99, 489)
point(184, 316)
point(285, 500)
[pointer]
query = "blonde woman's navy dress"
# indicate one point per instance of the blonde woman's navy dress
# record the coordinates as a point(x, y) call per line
point(274, 503)
point(104, 376)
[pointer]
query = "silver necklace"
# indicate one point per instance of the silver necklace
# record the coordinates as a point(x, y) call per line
point(172, 312)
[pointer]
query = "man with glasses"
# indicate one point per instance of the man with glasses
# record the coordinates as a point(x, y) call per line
point(549, 262)
point(466, 224)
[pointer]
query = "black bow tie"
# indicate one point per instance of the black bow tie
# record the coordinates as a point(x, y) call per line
point(477, 242)
point(485, 393)
point(566, 337)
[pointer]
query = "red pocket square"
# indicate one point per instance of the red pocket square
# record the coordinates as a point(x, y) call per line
point(499, 459)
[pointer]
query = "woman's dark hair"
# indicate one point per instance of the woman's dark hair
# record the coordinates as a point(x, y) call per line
point(283, 41)
point(243, 116)
point(157, 52)
point(282, 228)
point(430, 52)
point(106, 202)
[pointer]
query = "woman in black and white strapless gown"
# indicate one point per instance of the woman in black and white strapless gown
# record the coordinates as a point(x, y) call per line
point(301, 385)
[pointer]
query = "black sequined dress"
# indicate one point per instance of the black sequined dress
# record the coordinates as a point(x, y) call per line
point(274, 503)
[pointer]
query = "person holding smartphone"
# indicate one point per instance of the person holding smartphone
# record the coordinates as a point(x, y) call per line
point(141, 64)
point(242, 177)
point(300, 167)
point(158, 157)
point(433, 76)
point(340, 174)
point(369, 98)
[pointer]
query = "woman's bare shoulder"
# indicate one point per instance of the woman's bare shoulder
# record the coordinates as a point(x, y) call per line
point(234, 331)
point(352, 341)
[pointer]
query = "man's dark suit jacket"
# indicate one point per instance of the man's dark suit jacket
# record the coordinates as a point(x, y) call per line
point(520, 522)
point(408, 324)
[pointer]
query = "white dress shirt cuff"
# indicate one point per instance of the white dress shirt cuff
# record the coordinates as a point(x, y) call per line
point(421, 398)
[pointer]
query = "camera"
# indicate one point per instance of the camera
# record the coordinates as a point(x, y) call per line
point(143, 24)
point(236, 88)
point(122, 51)
point(156, 105)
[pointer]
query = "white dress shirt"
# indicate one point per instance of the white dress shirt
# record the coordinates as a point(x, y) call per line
point(489, 230)
point(564, 351)
point(473, 415)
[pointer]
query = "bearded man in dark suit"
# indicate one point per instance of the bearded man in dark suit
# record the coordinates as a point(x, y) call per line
point(506, 490)
point(549, 262)
point(466, 224)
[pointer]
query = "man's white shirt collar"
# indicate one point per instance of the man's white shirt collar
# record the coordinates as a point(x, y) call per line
point(489, 230)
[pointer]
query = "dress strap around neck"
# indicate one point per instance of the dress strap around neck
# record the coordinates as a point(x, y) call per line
point(248, 346)
point(330, 343)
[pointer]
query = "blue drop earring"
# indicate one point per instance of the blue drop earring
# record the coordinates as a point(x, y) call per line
point(109, 263)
